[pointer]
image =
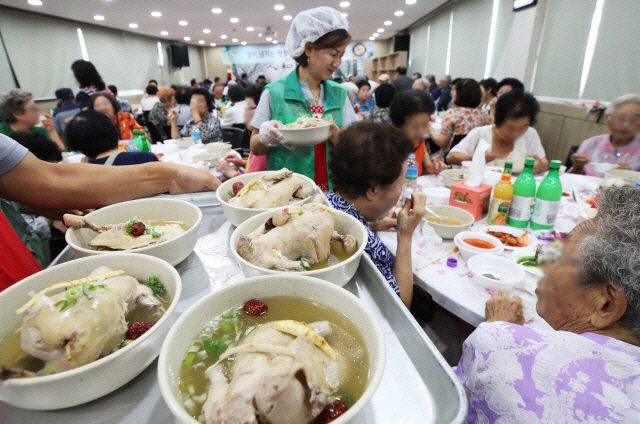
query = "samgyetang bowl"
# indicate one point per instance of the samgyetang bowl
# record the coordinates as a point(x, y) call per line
point(173, 251)
point(237, 215)
point(91, 381)
point(194, 319)
point(338, 274)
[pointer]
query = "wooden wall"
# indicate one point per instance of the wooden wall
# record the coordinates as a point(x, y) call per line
point(561, 125)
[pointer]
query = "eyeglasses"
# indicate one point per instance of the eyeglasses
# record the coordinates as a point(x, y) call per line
point(633, 120)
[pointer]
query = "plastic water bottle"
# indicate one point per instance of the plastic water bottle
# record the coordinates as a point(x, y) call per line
point(638, 182)
point(547, 201)
point(524, 193)
point(196, 136)
point(411, 176)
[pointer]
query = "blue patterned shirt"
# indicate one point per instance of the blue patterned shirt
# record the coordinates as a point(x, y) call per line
point(377, 251)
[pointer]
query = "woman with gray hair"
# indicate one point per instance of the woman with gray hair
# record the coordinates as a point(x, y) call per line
point(587, 369)
point(20, 113)
point(621, 146)
point(421, 84)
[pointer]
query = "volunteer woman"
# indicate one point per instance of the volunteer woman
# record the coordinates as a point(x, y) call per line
point(317, 41)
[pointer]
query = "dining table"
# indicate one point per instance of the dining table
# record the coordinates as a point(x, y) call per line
point(454, 288)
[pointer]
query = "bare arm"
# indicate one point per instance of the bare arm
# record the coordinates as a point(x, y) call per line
point(455, 158)
point(79, 186)
point(541, 164)
point(257, 148)
point(441, 140)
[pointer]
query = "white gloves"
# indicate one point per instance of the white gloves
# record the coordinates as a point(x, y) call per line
point(269, 134)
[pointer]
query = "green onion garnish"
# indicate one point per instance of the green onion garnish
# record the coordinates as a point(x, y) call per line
point(73, 293)
point(300, 213)
point(215, 348)
point(251, 247)
point(48, 369)
point(189, 361)
point(227, 328)
point(85, 290)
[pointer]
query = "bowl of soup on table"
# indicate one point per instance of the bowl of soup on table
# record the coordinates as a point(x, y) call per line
point(310, 239)
point(273, 349)
point(458, 220)
point(164, 228)
point(471, 243)
point(79, 330)
point(495, 273)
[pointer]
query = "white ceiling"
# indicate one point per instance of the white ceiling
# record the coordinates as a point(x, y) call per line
point(364, 16)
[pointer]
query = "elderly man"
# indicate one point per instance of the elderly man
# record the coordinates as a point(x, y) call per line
point(402, 81)
point(416, 76)
point(587, 367)
point(218, 96)
point(445, 96)
point(434, 90)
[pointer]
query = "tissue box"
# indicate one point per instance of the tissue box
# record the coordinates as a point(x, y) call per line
point(471, 199)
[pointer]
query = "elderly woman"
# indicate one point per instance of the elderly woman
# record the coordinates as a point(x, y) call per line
point(20, 113)
point(368, 193)
point(200, 105)
point(363, 100)
point(504, 86)
point(621, 146)
point(488, 89)
point(421, 84)
point(384, 96)
point(511, 137)
point(587, 369)
point(159, 112)
point(124, 122)
point(411, 112)
point(317, 40)
point(465, 116)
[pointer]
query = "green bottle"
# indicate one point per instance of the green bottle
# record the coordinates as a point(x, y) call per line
point(144, 145)
point(547, 201)
point(134, 145)
point(524, 193)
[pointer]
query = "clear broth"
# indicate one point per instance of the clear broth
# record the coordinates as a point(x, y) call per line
point(156, 223)
point(337, 255)
point(12, 356)
point(450, 221)
point(345, 340)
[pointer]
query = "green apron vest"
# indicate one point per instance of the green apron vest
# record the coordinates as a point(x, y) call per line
point(36, 241)
point(287, 105)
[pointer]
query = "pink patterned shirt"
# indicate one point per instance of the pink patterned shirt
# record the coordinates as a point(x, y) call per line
point(461, 120)
point(598, 149)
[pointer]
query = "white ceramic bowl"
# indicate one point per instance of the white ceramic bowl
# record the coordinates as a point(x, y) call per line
point(193, 320)
point(450, 231)
point(467, 251)
point(91, 381)
point(437, 195)
point(629, 177)
point(452, 176)
point(492, 264)
point(173, 251)
point(491, 178)
point(184, 142)
point(307, 136)
point(602, 167)
point(237, 215)
point(339, 274)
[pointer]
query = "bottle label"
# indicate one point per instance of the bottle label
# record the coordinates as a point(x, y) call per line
point(521, 207)
point(498, 211)
point(412, 173)
point(545, 211)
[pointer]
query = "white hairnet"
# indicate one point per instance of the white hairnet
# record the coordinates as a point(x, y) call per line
point(309, 25)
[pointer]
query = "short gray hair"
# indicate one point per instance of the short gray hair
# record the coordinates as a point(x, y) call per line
point(622, 100)
point(12, 102)
point(422, 81)
point(431, 78)
point(446, 78)
point(612, 252)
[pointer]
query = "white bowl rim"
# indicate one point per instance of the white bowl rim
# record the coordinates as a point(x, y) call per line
point(517, 269)
point(355, 256)
point(469, 215)
point(257, 175)
point(372, 384)
point(18, 382)
point(318, 125)
point(458, 239)
point(74, 246)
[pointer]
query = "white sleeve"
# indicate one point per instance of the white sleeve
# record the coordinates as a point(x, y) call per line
point(533, 143)
point(263, 112)
point(468, 144)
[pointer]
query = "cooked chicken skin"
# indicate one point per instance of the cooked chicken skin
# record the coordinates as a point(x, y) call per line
point(271, 190)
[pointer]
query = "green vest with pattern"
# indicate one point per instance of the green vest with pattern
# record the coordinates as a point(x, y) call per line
point(287, 105)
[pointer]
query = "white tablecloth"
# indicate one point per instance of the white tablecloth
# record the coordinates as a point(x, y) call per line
point(453, 288)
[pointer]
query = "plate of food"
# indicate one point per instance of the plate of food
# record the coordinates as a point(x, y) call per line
point(307, 131)
point(512, 238)
point(528, 258)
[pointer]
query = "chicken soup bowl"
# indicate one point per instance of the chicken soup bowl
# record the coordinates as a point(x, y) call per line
point(173, 251)
point(338, 274)
point(236, 214)
point(190, 324)
point(96, 379)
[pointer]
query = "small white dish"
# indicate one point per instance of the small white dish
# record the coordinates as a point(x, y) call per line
point(437, 195)
point(508, 273)
point(307, 136)
point(521, 253)
point(602, 167)
point(452, 176)
point(467, 251)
